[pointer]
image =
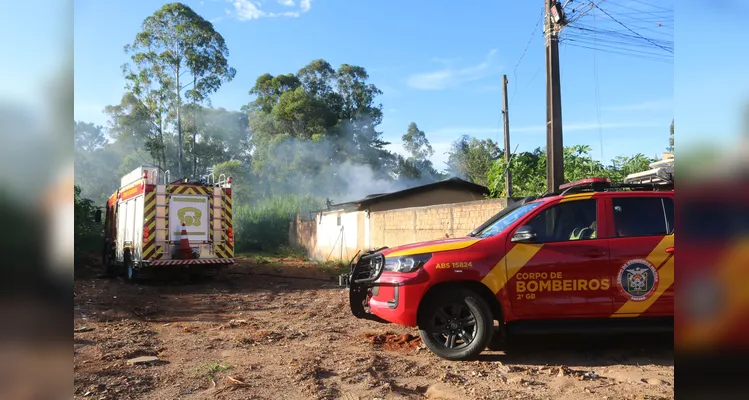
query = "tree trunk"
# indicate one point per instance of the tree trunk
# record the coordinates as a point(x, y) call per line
point(179, 127)
point(194, 130)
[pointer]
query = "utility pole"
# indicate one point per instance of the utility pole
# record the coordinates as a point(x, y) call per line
point(554, 148)
point(506, 116)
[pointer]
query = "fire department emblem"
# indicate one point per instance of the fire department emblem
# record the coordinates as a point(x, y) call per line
point(638, 279)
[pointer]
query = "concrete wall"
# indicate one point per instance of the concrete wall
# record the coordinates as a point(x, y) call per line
point(322, 238)
point(418, 224)
point(333, 235)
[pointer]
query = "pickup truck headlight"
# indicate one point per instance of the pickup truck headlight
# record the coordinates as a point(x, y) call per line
point(406, 263)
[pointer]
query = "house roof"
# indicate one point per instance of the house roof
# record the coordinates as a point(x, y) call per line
point(455, 183)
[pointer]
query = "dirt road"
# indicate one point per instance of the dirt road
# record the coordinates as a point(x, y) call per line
point(247, 335)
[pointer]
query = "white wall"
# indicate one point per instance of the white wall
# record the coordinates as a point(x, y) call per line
point(331, 236)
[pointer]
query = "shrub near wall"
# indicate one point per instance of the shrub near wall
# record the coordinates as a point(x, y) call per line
point(265, 225)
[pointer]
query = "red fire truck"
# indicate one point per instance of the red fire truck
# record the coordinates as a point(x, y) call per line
point(147, 216)
point(594, 256)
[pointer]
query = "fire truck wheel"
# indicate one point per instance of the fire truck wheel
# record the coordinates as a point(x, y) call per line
point(456, 325)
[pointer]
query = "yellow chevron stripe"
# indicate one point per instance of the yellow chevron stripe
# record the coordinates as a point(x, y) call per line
point(434, 248)
point(509, 265)
point(656, 257)
point(151, 216)
point(577, 196)
point(220, 251)
point(665, 280)
point(659, 255)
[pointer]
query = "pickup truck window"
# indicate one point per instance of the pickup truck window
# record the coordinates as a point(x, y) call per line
point(501, 224)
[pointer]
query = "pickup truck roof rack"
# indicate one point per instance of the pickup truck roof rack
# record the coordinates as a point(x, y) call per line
point(605, 185)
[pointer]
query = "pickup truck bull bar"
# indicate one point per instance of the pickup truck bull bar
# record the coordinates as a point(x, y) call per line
point(361, 279)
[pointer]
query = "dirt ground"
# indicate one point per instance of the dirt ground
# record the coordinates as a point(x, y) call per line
point(283, 330)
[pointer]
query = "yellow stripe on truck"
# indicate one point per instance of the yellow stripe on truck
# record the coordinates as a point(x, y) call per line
point(509, 265)
point(635, 308)
point(578, 196)
point(434, 248)
point(657, 257)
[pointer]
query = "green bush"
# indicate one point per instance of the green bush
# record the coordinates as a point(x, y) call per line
point(88, 234)
point(265, 225)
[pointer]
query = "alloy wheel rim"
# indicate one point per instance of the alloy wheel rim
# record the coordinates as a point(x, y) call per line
point(454, 326)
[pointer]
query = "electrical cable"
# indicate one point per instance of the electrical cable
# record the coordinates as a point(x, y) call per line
point(629, 29)
point(514, 71)
point(597, 93)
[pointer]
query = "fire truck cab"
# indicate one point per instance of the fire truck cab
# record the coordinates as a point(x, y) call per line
point(149, 221)
point(594, 256)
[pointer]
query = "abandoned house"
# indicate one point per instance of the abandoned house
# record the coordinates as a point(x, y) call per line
point(338, 232)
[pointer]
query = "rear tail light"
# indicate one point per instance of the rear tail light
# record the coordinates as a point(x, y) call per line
point(230, 233)
point(145, 233)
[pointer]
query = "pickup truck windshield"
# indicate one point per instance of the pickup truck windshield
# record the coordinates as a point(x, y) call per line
point(502, 223)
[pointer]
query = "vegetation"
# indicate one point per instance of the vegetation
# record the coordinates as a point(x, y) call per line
point(87, 232)
point(302, 139)
point(529, 170)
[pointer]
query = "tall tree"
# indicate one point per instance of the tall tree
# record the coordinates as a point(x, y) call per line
point(88, 136)
point(175, 40)
point(471, 158)
point(416, 143)
point(670, 147)
point(418, 166)
point(319, 109)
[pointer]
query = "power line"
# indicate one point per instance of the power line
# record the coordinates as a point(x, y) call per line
point(597, 92)
point(625, 26)
point(617, 34)
point(613, 42)
point(625, 53)
point(514, 75)
point(634, 10)
point(652, 5)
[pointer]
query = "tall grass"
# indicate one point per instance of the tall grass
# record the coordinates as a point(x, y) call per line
point(265, 225)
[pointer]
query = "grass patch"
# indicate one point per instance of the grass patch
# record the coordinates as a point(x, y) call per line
point(216, 367)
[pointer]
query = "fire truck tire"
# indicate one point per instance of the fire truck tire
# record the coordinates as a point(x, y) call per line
point(456, 325)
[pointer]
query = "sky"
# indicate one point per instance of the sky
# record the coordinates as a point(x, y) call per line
point(438, 63)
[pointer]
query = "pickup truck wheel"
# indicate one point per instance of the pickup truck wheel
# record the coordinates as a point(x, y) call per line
point(456, 325)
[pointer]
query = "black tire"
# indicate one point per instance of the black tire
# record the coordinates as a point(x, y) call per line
point(456, 325)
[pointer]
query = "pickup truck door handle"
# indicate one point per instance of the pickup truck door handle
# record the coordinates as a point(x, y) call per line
point(594, 253)
point(670, 250)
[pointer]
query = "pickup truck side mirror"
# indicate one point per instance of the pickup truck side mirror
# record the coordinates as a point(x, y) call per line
point(97, 216)
point(524, 234)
